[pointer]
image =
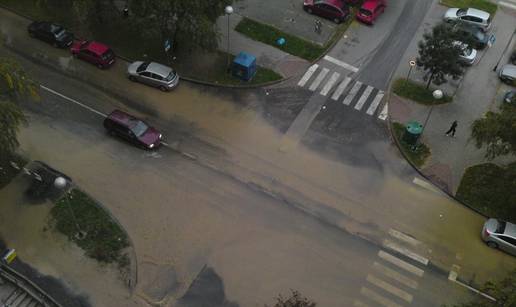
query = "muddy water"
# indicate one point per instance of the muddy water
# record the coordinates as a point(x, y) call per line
point(23, 226)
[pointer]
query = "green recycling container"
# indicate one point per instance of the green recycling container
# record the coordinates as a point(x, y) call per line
point(412, 133)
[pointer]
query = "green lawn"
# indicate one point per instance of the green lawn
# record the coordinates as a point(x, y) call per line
point(417, 155)
point(104, 240)
point(484, 5)
point(490, 189)
point(417, 92)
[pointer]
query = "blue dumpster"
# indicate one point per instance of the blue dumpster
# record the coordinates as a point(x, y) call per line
point(244, 66)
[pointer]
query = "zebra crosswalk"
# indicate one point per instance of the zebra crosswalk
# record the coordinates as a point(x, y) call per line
point(395, 275)
point(346, 90)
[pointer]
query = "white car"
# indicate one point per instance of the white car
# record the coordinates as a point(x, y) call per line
point(470, 16)
point(468, 55)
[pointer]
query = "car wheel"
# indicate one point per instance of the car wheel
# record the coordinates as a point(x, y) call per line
point(132, 78)
point(337, 20)
point(55, 44)
point(163, 88)
point(492, 244)
point(309, 11)
point(100, 66)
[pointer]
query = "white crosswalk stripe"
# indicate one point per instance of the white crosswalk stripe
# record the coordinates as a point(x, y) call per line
point(376, 102)
point(403, 237)
point(358, 303)
point(307, 75)
point(378, 298)
point(363, 97)
point(392, 274)
point(384, 113)
point(327, 87)
point(352, 93)
point(319, 79)
point(400, 263)
point(390, 288)
point(340, 89)
point(404, 251)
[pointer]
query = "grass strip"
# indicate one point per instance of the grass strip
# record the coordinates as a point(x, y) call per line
point(418, 154)
point(483, 5)
point(489, 188)
point(417, 92)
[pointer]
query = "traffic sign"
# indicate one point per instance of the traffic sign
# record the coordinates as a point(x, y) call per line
point(168, 45)
point(412, 63)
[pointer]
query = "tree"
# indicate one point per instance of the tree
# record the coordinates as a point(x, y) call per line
point(187, 23)
point(497, 131)
point(503, 291)
point(439, 54)
point(295, 300)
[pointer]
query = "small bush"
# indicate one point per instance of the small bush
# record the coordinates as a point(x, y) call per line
point(418, 154)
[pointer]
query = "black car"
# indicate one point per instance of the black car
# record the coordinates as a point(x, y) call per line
point(51, 33)
point(479, 38)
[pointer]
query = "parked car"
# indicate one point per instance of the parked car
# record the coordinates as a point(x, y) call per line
point(370, 10)
point(478, 36)
point(500, 234)
point(93, 52)
point(470, 16)
point(153, 74)
point(51, 33)
point(510, 98)
point(468, 54)
point(508, 74)
point(132, 130)
point(335, 10)
point(513, 57)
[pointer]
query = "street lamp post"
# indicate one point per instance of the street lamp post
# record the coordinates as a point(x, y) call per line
point(61, 183)
point(437, 94)
point(228, 10)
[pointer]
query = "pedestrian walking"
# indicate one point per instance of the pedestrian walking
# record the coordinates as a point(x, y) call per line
point(452, 129)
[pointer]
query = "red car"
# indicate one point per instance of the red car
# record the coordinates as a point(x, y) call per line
point(370, 10)
point(335, 10)
point(93, 52)
point(132, 130)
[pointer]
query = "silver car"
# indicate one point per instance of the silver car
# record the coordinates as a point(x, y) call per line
point(153, 74)
point(508, 74)
point(468, 54)
point(500, 234)
point(470, 16)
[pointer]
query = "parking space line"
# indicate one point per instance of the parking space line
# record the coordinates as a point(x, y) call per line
point(384, 113)
point(340, 63)
point(403, 237)
point(364, 97)
point(352, 93)
point(307, 75)
point(376, 102)
point(389, 288)
point(340, 89)
point(378, 298)
point(400, 263)
point(402, 279)
point(319, 79)
point(72, 100)
point(404, 251)
point(327, 87)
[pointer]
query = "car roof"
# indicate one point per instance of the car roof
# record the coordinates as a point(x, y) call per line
point(97, 47)
point(370, 4)
point(121, 117)
point(159, 69)
point(337, 3)
point(478, 13)
point(509, 69)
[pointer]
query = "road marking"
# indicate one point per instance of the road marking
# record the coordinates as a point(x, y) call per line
point(364, 97)
point(358, 303)
point(384, 113)
point(340, 63)
point(403, 237)
point(426, 185)
point(72, 100)
point(400, 263)
point(375, 103)
point(307, 75)
point(453, 277)
point(389, 288)
point(404, 251)
point(319, 79)
point(402, 279)
point(352, 93)
point(378, 298)
point(340, 89)
point(327, 87)
point(508, 5)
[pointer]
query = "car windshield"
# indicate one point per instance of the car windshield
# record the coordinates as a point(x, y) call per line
point(501, 227)
point(60, 34)
point(365, 12)
point(139, 128)
point(171, 75)
point(461, 12)
point(142, 67)
point(107, 55)
point(467, 51)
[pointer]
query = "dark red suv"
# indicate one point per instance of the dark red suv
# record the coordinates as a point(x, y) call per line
point(93, 52)
point(335, 10)
point(132, 129)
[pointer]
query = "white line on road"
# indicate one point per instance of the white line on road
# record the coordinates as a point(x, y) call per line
point(508, 5)
point(453, 277)
point(402, 279)
point(340, 89)
point(426, 185)
point(319, 79)
point(403, 237)
point(375, 103)
point(364, 97)
point(378, 298)
point(340, 63)
point(352, 93)
point(404, 251)
point(389, 288)
point(400, 263)
point(72, 100)
point(327, 87)
point(384, 113)
point(307, 75)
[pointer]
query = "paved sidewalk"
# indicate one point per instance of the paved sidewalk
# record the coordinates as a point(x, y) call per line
point(476, 93)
